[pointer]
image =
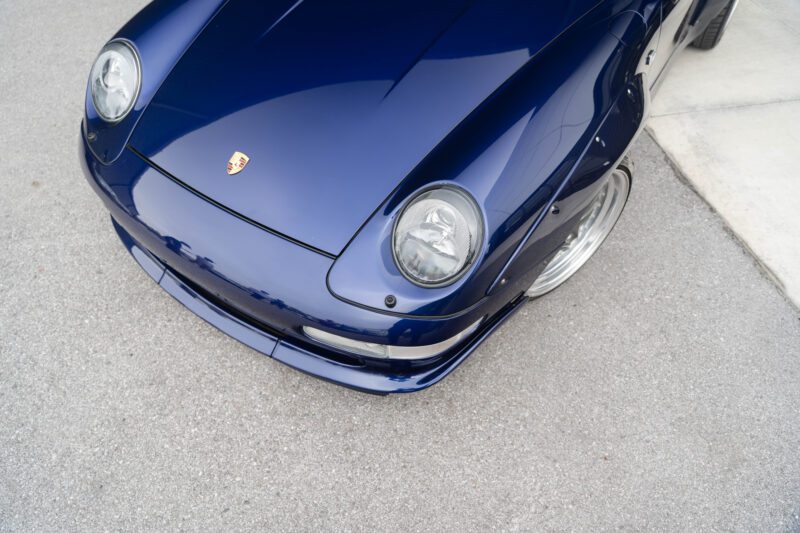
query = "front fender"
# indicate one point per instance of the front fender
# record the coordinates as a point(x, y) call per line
point(161, 33)
point(604, 152)
point(513, 154)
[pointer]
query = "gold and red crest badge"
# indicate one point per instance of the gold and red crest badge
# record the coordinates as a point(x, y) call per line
point(237, 162)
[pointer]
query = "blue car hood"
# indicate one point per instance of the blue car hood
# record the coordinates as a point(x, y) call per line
point(333, 102)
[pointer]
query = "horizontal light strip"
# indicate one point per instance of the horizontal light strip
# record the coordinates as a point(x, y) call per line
point(386, 351)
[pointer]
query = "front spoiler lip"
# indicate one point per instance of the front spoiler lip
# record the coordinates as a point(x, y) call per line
point(361, 378)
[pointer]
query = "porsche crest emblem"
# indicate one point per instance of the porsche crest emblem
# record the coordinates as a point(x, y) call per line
point(237, 162)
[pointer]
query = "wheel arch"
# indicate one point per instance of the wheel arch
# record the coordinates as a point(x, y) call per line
point(605, 151)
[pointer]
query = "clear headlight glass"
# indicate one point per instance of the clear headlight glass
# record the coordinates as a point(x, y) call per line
point(437, 236)
point(115, 80)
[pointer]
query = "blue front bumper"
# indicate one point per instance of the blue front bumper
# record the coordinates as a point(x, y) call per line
point(261, 288)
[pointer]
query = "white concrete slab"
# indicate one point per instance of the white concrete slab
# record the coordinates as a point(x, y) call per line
point(756, 62)
point(730, 120)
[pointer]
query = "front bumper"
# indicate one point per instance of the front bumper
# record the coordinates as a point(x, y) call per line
point(262, 289)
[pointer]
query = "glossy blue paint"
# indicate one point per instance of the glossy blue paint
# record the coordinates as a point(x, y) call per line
point(511, 154)
point(353, 375)
point(346, 110)
point(240, 329)
point(217, 264)
point(161, 33)
point(341, 120)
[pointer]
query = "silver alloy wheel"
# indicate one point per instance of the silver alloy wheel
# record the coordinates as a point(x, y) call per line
point(592, 229)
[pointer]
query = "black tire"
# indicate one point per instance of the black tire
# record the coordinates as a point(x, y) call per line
point(715, 29)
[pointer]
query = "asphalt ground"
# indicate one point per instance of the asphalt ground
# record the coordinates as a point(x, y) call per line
point(656, 390)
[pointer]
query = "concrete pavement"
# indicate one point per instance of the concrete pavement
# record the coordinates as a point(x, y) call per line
point(657, 390)
point(730, 120)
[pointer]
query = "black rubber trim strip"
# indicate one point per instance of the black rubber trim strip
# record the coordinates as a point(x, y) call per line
point(227, 209)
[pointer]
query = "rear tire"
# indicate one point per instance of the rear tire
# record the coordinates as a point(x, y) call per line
point(716, 28)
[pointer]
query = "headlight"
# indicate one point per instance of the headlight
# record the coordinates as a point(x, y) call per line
point(115, 81)
point(437, 236)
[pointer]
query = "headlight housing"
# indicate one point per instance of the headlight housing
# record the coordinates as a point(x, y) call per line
point(437, 236)
point(115, 80)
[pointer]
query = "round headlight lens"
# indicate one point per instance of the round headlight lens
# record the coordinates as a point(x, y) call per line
point(115, 81)
point(437, 236)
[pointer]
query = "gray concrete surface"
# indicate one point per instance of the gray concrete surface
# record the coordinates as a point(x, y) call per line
point(657, 390)
point(730, 119)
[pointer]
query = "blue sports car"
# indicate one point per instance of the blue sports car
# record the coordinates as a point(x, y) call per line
point(365, 190)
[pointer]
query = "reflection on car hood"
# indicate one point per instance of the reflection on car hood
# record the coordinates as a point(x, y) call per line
point(333, 102)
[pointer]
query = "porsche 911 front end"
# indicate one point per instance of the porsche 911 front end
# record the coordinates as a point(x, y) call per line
point(361, 190)
point(269, 292)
